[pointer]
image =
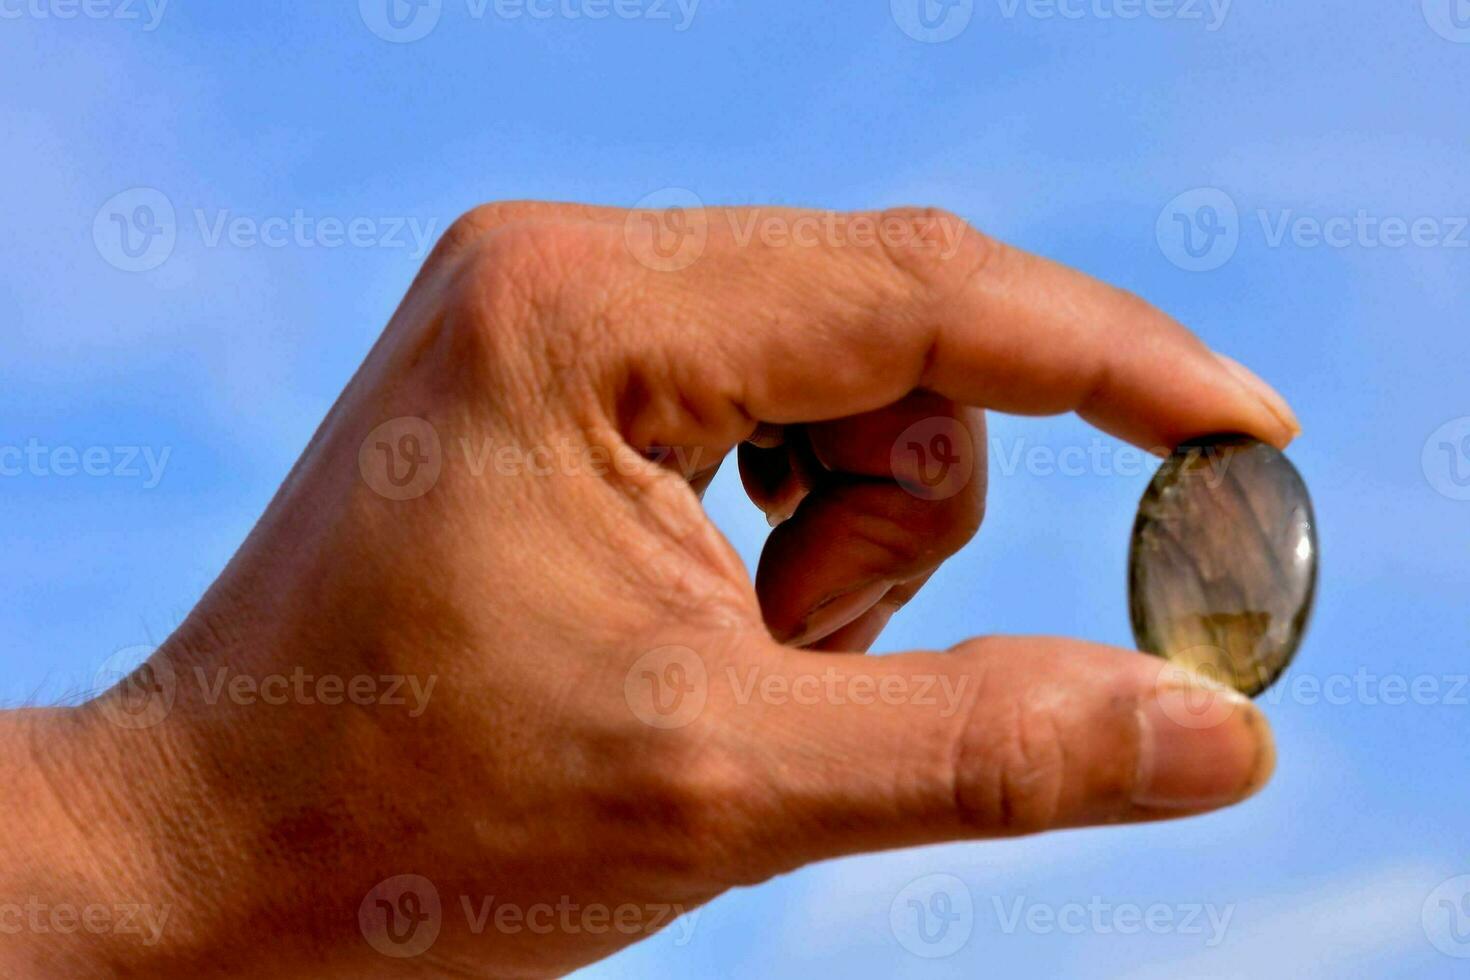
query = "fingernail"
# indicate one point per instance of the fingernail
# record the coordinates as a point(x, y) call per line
point(1201, 746)
point(832, 614)
point(1264, 393)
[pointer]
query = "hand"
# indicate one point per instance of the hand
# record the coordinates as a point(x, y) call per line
point(501, 515)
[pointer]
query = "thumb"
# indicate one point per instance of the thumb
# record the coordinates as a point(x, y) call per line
point(998, 737)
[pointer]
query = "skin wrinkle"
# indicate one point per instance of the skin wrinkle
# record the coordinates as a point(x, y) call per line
point(169, 882)
point(961, 785)
point(44, 763)
point(689, 593)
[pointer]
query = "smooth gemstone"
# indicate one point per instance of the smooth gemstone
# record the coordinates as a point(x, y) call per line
point(1223, 566)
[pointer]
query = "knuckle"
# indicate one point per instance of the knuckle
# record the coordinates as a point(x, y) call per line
point(1134, 309)
point(919, 533)
point(903, 542)
point(936, 247)
point(533, 251)
point(513, 280)
point(479, 221)
point(1011, 771)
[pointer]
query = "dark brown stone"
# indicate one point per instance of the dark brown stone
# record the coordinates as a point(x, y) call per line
point(1223, 565)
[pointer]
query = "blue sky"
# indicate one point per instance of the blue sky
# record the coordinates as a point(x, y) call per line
point(1070, 129)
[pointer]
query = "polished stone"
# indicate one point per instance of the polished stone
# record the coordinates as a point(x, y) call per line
point(1223, 566)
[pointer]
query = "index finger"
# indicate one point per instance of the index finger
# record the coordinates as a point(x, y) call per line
point(797, 328)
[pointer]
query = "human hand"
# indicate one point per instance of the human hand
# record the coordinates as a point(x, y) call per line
point(502, 513)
